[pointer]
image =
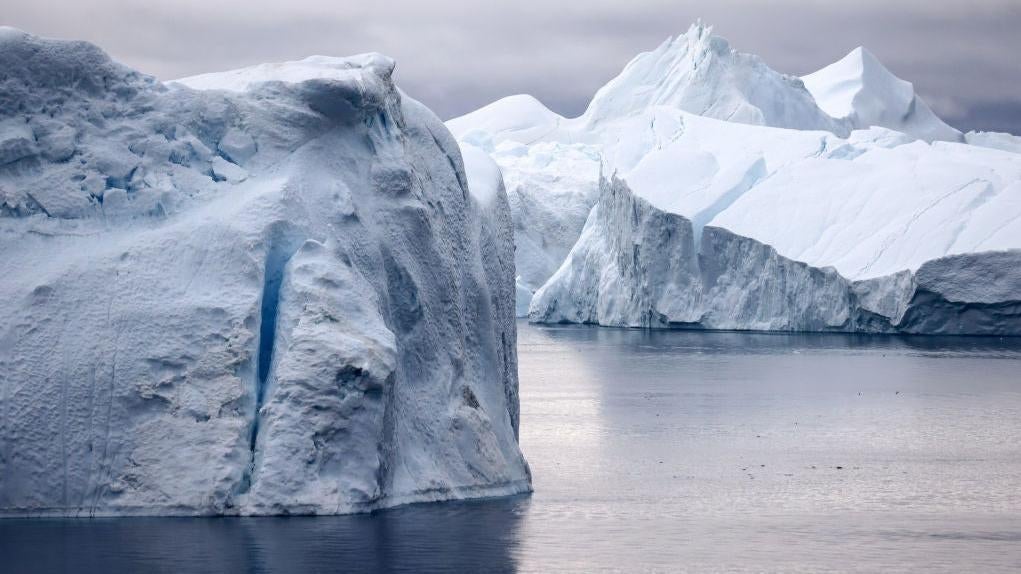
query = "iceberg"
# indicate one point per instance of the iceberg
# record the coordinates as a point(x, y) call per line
point(851, 217)
point(276, 290)
point(636, 265)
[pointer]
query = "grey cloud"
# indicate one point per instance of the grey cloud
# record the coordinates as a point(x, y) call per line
point(457, 56)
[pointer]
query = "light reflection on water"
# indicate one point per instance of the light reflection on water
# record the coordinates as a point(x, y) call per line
point(670, 451)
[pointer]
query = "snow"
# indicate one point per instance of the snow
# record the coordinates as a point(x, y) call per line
point(863, 207)
point(861, 90)
point(714, 136)
point(698, 72)
point(520, 118)
point(283, 294)
point(320, 68)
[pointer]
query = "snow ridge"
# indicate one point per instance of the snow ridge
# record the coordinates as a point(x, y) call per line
point(698, 72)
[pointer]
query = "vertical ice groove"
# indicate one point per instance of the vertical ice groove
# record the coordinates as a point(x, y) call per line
point(283, 244)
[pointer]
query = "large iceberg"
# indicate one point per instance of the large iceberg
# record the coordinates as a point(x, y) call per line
point(275, 290)
point(865, 206)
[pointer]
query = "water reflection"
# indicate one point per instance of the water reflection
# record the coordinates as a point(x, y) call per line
point(740, 342)
point(462, 537)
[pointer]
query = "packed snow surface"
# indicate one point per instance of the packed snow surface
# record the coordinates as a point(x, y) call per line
point(279, 293)
point(703, 132)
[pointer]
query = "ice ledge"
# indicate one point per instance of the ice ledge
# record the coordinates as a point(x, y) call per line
point(347, 69)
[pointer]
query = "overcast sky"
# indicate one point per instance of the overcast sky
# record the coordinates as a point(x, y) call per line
point(964, 57)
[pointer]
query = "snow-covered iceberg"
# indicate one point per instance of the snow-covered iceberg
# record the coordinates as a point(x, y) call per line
point(275, 290)
point(870, 205)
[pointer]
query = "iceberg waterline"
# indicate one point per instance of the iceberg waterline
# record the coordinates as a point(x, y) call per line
point(276, 296)
point(881, 189)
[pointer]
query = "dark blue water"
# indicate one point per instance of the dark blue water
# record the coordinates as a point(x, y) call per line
point(467, 537)
point(669, 451)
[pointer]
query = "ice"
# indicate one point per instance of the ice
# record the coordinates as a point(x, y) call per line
point(520, 118)
point(551, 188)
point(713, 136)
point(636, 265)
point(995, 140)
point(698, 72)
point(318, 68)
point(278, 294)
point(861, 90)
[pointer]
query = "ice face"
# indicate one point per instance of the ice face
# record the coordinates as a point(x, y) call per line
point(283, 297)
point(635, 265)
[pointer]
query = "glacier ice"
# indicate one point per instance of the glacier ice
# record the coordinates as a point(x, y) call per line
point(275, 290)
point(869, 197)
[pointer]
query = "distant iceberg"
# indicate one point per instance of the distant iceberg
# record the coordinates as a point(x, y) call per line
point(639, 266)
point(880, 189)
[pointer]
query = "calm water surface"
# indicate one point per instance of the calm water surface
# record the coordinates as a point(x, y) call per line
point(670, 451)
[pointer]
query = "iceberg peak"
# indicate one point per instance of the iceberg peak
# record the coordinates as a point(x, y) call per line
point(698, 72)
point(521, 118)
point(861, 90)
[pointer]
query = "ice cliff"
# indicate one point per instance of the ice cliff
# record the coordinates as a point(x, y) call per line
point(639, 266)
point(880, 189)
point(276, 290)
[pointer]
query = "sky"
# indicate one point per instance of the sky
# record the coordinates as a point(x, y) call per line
point(964, 57)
